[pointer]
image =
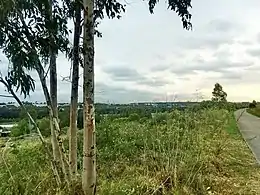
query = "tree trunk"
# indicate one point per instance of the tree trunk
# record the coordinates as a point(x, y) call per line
point(53, 94)
point(53, 91)
point(54, 120)
point(39, 68)
point(74, 93)
point(89, 137)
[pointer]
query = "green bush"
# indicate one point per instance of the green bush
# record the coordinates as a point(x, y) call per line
point(22, 128)
point(134, 117)
point(184, 153)
point(44, 126)
point(159, 118)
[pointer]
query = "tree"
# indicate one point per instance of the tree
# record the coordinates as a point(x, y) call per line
point(74, 89)
point(253, 104)
point(89, 135)
point(31, 34)
point(218, 94)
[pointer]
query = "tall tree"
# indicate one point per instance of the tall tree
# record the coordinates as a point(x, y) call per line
point(89, 135)
point(89, 143)
point(30, 31)
point(74, 89)
point(219, 95)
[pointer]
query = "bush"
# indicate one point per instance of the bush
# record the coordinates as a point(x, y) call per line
point(134, 117)
point(159, 118)
point(188, 153)
point(44, 126)
point(252, 105)
point(22, 128)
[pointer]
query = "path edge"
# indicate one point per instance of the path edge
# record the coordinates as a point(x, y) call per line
point(248, 145)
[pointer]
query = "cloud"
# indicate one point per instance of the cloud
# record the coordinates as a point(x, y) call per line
point(153, 82)
point(254, 52)
point(126, 74)
point(208, 41)
point(221, 25)
point(117, 94)
point(217, 65)
point(141, 57)
point(123, 73)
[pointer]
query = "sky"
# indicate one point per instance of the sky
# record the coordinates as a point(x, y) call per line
point(144, 57)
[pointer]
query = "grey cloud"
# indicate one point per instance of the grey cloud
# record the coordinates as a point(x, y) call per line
point(254, 52)
point(131, 75)
point(122, 95)
point(222, 54)
point(221, 25)
point(209, 66)
point(123, 73)
point(206, 42)
point(231, 75)
point(159, 68)
point(153, 82)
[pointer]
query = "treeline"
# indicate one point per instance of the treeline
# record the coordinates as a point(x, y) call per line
point(12, 113)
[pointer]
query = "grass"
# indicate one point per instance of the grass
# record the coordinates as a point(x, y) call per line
point(179, 153)
point(254, 111)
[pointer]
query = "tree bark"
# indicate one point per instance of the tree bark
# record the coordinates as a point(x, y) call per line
point(74, 92)
point(53, 94)
point(53, 90)
point(89, 137)
point(54, 120)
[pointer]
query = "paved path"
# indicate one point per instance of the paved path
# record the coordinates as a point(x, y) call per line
point(249, 126)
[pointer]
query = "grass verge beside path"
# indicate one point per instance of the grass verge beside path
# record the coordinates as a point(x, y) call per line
point(254, 111)
point(181, 153)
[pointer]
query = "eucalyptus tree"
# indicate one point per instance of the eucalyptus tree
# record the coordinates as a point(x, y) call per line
point(31, 34)
point(219, 95)
point(181, 7)
point(75, 57)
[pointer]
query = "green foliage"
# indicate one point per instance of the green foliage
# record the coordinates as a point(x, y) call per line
point(204, 105)
point(22, 128)
point(64, 116)
point(218, 94)
point(252, 104)
point(27, 33)
point(134, 117)
point(254, 111)
point(159, 118)
point(186, 154)
point(32, 110)
point(44, 126)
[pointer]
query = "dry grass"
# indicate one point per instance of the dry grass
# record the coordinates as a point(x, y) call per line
point(188, 153)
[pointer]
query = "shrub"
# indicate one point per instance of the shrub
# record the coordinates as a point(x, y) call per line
point(44, 126)
point(134, 117)
point(159, 118)
point(22, 128)
point(252, 105)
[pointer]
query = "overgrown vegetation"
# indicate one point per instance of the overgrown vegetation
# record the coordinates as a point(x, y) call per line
point(254, 109)
point(181, 152)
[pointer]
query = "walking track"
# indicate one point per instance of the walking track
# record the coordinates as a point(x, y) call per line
point(249, 126)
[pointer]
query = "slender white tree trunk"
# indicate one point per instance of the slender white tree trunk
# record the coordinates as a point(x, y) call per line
point(53, 94)
point(64, 161)
point(89, 137)
point(74, 92)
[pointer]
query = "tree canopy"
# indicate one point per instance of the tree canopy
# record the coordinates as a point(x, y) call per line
point(219, 95)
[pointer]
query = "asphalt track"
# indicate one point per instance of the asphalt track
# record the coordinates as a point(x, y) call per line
point(249, 127)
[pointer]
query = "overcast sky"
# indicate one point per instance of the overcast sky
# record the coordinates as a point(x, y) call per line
point(144, 57)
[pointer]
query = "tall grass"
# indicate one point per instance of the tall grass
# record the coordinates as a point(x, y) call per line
point(254, 111)
point(178, 153)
